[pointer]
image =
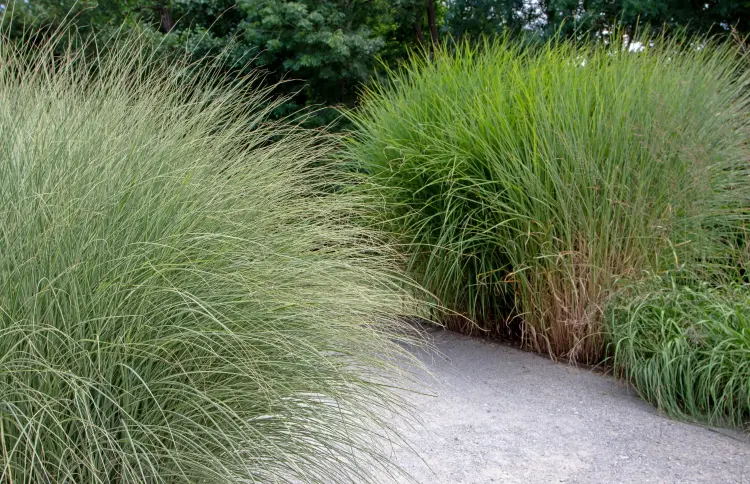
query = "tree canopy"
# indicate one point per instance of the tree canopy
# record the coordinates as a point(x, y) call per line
point(324, 50)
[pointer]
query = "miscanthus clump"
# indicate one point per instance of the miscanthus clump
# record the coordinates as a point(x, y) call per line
point(527, 182)
point(181, 297)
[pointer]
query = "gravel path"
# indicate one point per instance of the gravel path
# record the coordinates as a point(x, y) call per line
point(503, 415)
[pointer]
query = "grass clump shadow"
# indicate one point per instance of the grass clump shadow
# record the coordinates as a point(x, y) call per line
point(181, 297)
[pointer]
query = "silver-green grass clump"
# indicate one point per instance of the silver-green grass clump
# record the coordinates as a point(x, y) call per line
point(525, 181)
point(181, 298)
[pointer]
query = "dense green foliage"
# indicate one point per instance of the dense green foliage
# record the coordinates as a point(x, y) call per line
point(321, 50)
point(180, 300)
point(599, 17)
point(325, 50)
point(686, 350)
point(527, 182)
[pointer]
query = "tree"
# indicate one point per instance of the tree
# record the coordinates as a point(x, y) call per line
point(322, 50)
point(576, 17)
point(432, 22)
point(703, 16)
point(471, 18)
point(696, 16)
point(331, 45)
point(325, 49)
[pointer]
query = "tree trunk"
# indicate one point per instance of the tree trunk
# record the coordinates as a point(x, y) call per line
point(165, 18)
point(420, 35)
point(432, 22)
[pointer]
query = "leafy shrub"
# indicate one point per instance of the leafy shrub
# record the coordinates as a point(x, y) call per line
point(180, 300)
point(527, 181)
point(686, 349)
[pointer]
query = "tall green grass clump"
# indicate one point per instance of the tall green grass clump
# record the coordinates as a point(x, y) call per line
point(525, 181)
point(686, 348)
point(181, 300)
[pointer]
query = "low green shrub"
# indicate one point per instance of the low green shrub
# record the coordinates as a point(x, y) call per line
point(686, 349)
point(525, 181)
point(181, 300)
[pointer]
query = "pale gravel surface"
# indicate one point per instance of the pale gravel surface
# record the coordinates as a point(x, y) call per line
point(500, 414)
